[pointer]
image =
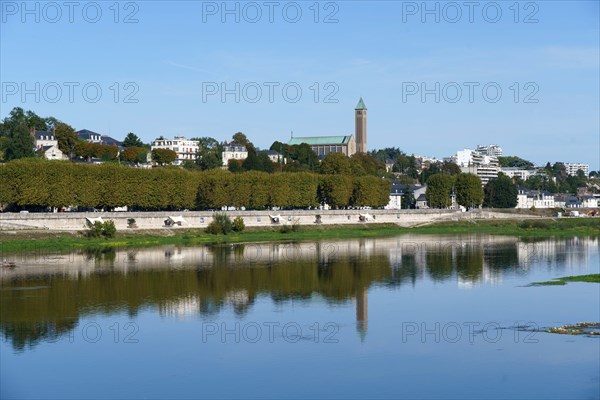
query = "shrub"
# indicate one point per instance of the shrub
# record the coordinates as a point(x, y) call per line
point(131, 223)
point(105, 229)
point(294, 227)
point(238, 224)
point(221, 224)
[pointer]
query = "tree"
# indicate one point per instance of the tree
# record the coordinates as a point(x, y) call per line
point(241, 139)
point(365, 164)
point(134, 154)
point(469, 192)
point(67, 138)
point(335, 163)
point(500, 192)
point(514, 161)
point(164, 156)
point(132, 140)
point(19, 144)
point(450, 168)
point(439, 188)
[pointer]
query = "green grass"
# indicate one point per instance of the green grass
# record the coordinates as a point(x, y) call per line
point(60, 241)
point(593, 278)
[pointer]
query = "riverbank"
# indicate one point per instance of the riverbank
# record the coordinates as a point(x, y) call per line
point(26, 241)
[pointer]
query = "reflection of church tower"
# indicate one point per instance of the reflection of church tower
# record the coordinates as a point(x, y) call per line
point(360, 129)
point(362, 313)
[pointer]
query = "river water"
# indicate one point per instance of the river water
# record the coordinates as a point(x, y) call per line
point(404, 317)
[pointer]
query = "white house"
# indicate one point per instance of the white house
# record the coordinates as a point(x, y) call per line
point(187, 150)
point(535, 198)
point(233, 151)
point(52, 152)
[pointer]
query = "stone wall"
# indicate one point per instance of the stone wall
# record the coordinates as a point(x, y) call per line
point(201, 219)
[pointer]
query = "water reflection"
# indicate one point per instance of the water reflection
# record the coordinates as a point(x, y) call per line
point(45, 296)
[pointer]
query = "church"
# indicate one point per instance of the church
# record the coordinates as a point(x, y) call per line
point(348, 145)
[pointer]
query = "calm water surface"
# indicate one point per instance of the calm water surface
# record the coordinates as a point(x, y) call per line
point(412, 317)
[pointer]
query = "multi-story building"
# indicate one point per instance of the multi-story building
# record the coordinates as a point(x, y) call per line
point(516, 172)
point(572, 168)
point(470, 161)
point(233, 151)
point(43, 138)
point(535, 198)
point(46, 142)
point(489, 150)
point(89, 136)
point(187, 150)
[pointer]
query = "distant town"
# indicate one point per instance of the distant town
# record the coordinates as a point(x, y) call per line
point(561, 184)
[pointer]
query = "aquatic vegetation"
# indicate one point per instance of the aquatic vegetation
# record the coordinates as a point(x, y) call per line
point(593, 278)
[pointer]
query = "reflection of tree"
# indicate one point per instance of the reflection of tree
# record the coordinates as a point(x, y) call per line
point(63, 299)
point(469, 263)
point(439, 264)
point(502, 257)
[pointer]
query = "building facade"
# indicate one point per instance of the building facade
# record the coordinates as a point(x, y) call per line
point(489, 150)
point(472, 162)
point(572, 168)
point(187, 150)
point(233, 151)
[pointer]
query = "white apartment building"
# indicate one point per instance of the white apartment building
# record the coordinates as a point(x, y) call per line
point(187, 150)
point(470, 161)
point(233, 151)
point(516, 172)
point(572, 168)
point(489, 150)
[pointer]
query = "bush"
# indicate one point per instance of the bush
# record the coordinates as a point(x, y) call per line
point(105, 229)
point(294, 227)
point(131, 223)
point(238, 224)
point(221, 224)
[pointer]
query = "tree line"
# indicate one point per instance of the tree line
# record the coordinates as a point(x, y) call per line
point(28, 183)
point(499, 192)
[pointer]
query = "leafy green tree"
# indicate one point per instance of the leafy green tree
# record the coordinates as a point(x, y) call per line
point(439, 188)
point(67, 138)
point(364, 164)
point(500, 192)
point(234, 165)
point(19, 144)
point(469, 192)
point(335, 190)
point(335, 163)
point(164, 156)
point(132, 140)
point(514, 161)
point(265, 162)
point(450, 168)
point(241, 139)
point(134, 154)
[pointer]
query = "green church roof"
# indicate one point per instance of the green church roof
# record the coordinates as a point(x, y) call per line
point(320, 140)
point(361, 105)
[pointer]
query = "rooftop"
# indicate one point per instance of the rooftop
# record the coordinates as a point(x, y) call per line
point(320, 140)
point(361, 105)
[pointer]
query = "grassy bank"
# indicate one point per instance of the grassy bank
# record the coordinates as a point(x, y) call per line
point(592, 278)
point(44, 240)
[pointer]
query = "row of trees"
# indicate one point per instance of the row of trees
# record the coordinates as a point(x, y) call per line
point(40, 183)
point(500, 192)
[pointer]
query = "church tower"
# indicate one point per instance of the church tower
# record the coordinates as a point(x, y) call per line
point(361, 126)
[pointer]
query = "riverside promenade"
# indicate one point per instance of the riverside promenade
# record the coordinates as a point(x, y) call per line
point(74, 221)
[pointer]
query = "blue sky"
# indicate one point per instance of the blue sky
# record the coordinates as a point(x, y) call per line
point(178, 51)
